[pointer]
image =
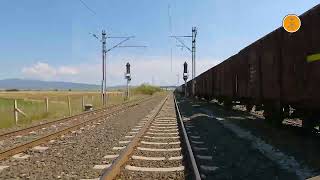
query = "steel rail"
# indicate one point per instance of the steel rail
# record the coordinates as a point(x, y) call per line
point(111, 172)
point(187, 142)
point(39, 126)
point(20, 148)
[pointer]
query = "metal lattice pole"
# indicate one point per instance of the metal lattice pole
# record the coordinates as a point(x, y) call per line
point(194, 35)
point(104, 82)
point(104, 63)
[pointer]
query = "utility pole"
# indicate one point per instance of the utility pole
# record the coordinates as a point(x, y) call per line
point(104, 67)
point(103, 40)
point(194, 35)
point(193, 54)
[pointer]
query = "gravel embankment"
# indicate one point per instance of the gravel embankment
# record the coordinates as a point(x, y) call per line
point(13, 141)
point(220, 152)
point(74, 155)
point(289, 140)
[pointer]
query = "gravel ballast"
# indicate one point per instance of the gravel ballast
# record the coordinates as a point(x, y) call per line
point(74, 155)
point(221, 153)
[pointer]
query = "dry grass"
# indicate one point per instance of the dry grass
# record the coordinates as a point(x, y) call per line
point(33, 104)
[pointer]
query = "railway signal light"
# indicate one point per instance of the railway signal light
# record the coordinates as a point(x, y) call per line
point(185, 71)
point(185, 77)
point(128, 68)
point(128, 77)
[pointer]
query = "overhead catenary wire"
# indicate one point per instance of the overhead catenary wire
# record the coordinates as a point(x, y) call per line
point(97, 19)
point(181, 41)
point(170, 32)
point(170, 19)
point(121, 42)
point(86, 6)
point(171, 59)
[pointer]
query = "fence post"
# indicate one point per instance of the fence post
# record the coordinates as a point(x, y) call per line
point(47, 104)
point(15, 112)
point(69, 106)
point(101, 100)
point(108, 98)
point(83, 103)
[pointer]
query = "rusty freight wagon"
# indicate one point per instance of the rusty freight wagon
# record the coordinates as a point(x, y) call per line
point(279, 73)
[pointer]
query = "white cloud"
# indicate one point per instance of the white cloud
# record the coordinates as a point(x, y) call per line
point(64, 70)
point(151, 69)
point(39, 70)
point(42, 70)
point(156, 69)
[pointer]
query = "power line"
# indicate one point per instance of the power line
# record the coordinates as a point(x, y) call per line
point(117, 45)
point(103, 40)
point(170, 31)
point(97, 18)
point(85, 5)
point(171, 59)
point(170, 19)
point(181, 41)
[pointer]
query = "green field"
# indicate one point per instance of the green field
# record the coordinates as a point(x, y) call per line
point(33, 104)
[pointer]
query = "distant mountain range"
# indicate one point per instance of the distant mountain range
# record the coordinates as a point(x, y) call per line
point(24, 84)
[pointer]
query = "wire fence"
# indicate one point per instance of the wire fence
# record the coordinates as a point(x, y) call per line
point(33, 106)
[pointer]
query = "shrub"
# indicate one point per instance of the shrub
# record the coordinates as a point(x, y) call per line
point(11, 90)
point(146, 89)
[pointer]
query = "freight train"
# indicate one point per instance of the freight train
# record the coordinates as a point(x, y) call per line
point(279, 73)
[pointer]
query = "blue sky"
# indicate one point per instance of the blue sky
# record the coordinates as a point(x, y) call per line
point(50, 40)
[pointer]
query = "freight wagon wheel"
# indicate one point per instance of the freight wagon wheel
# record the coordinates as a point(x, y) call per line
point(309, 123)
point(207, 98)
point(277, 118)
point(274, 119)
point(227, 104)
point(267, 112)
point(273, 114)
point(249, 107)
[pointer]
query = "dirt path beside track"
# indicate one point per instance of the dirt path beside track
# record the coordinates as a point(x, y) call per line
point(236, 155)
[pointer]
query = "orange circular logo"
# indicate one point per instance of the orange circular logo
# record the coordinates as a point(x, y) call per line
point(291, 23)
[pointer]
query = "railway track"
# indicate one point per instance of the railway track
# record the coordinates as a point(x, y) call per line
point(157, 147)
point(21, 140)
